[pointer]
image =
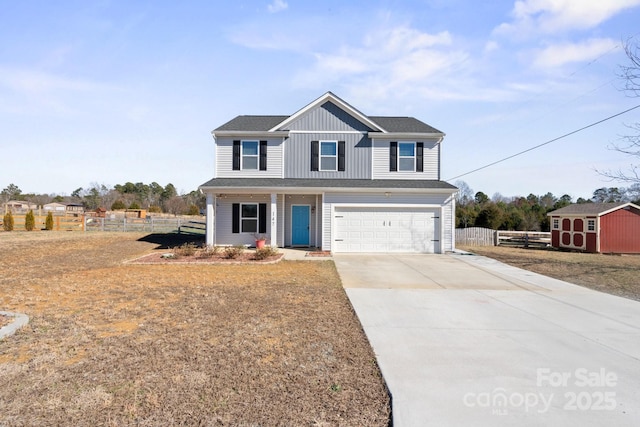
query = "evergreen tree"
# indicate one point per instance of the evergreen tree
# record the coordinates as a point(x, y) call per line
point(7, 222)
point(29, 221)
point(48, 224)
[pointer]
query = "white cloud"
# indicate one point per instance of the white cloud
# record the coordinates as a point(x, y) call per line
point(277, 6)
point(553, 16)
point(561, 54)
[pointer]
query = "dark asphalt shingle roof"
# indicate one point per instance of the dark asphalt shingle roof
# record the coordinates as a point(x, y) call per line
point(403, 124)
point(264, 123)
point(586, 208)
point(324, 183)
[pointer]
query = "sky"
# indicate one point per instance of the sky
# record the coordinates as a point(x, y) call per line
point(105, 92)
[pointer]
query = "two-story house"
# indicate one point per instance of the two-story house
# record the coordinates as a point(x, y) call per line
point(330, 177)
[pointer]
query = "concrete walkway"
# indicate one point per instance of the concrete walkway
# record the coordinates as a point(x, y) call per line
point(466, 340)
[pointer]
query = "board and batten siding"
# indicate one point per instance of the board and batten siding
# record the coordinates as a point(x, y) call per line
point(431, 161)
point(357, 156)
point(328, 117)
point(224, 159)
point(447, 202)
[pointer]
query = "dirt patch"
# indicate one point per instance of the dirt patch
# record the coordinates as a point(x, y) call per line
point(614, 274)
point(113, 343)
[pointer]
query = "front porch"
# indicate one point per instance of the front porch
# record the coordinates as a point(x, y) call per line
point(285, 220)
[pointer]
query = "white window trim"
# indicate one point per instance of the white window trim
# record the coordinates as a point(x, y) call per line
point(242, 155)
point(243, 218)
point(591, 225)
point(320, 156)
point(414, 157)
point(556, 223)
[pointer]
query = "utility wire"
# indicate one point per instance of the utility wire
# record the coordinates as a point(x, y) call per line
point(545, 143)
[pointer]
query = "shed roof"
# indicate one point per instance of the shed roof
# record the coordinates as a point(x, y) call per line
point(585, 209)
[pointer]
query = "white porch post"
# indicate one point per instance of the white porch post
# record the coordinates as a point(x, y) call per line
point(211, 201)
point(274, 220)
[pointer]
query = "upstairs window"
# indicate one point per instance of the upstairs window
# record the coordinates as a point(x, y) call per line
point(405, 156)
point(328, 155)
point(249, 155)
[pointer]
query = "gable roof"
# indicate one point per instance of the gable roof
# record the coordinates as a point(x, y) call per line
point(329, 97)
point(275, 123)
point(593, 209)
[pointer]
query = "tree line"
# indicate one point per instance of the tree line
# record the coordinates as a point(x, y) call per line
point(525, 213)
point(152, 197)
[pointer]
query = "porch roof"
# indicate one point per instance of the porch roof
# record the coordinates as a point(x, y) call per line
point(324, 185)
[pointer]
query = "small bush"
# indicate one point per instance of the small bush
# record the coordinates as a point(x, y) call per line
point(193, 210)
point(48, 223)
point(155, 209)
point(186, 249)
point(29, 221)
point(209, 252)
point(118, 204)
point(7, 222)
point(134, 205)
point(265, 252)
point(233, 252)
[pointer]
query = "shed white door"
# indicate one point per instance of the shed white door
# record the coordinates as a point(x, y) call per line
point(380, 229)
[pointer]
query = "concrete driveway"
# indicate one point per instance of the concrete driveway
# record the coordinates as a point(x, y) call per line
point(466, 340)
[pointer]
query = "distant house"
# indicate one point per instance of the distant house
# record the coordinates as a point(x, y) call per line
point(69, 208)
point(597, 227)
point(54, 207)
point(19, 206)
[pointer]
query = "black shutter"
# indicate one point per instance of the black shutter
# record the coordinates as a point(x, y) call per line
point(315, 155)
point(340, 156)
point(419, 161)
point(235, 215)
point(262, 218)
point(236, 155)
point(263, 155)
point(393, 156)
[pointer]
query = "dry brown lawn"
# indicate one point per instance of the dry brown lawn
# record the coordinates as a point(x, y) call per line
point(115, 344)
point(614, 274)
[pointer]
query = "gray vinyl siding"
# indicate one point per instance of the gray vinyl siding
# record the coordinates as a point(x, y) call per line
point(310, 200)
point(328, 117)
point(431, 159)
point(447, 202)
point(224, 159)
point(357, 156)
point(223, 226)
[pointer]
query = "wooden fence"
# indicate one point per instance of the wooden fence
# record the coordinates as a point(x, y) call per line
point(475, 236)
point(91, 223)
point(478, 236)
point(60, 223)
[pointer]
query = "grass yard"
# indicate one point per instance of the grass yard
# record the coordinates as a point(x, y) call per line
point(117, 344)
point(614, 274)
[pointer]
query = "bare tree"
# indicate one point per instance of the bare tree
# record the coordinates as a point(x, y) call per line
point(629, 144)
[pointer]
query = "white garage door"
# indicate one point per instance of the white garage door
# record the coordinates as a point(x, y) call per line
point(378, 229)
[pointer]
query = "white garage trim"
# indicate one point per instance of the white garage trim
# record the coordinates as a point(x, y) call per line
point(390, 243)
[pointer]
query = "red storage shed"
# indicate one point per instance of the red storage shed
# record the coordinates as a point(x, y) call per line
point(597, 227)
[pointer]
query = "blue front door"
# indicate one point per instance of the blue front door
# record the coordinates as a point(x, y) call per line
point(300, 225)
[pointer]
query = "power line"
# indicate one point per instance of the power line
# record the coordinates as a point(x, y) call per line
point(546, 143)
